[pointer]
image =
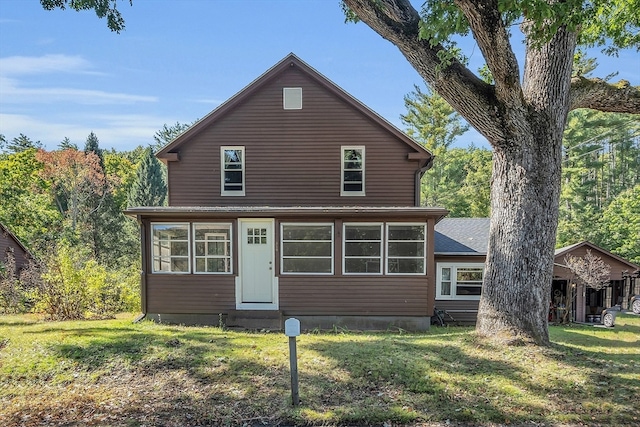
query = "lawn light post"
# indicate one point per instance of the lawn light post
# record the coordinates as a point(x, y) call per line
point(292, 330)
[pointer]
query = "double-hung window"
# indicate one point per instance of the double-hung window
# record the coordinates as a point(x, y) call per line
point(362, 250)
point(232, 169)
point(212, 248)
point(352, 170)
point(406, 248)
point(170, 248)
point(459, 281)
point(306, 248)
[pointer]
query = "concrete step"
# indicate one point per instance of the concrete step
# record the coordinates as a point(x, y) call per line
point(255, 319)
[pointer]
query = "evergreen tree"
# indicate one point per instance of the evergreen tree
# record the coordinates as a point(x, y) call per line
point(149, 187)
point(92, 145)
point(66, 144)
point(20, 144)
point(168, 134)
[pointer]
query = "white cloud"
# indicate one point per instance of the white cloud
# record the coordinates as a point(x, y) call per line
point(122, 132)
point(13, 93)
point(20, 65)
point(15, 89)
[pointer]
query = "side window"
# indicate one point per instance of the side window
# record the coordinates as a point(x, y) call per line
point(307, 248)
point(362, 249)
point(352, 170)
point(170, 248)
point(459, 281)
point(212, 248)
point(406, 248)
point(232, 169)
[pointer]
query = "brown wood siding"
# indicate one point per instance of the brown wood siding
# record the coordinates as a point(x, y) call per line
point(384, 295)
point(6, 242)
point(462, 311)
point(346, 295)
point(293, 156)
point(190, 293)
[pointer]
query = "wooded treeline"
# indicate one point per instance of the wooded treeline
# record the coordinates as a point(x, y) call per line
point(600, 199)
point(66, 205)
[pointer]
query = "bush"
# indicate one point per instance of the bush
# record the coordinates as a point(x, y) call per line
point(75, 286)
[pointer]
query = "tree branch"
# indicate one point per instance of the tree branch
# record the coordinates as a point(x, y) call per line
point(398, 22)
point(602, 96)
point(492, 37)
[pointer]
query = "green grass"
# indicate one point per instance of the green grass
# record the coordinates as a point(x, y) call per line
point(119, 373)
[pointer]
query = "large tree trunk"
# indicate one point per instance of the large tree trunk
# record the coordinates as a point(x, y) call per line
point(524, 216)
point(524, 122)
point(525, 193)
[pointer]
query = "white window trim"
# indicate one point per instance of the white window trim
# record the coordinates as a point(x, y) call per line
point(364, 167)
point(454, 269)
point(224, 192)
point(284, 224)
point(424, 249)
point(287, 92)
point(382, 248)
point(227, 225)
point(153, 255)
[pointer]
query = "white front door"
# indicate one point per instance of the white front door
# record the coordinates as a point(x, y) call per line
point(257, 286)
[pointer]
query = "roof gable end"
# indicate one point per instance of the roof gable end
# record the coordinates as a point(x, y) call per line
point(169, 152)
point(561, 252)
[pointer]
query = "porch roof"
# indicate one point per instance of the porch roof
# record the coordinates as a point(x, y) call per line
point(287, 211)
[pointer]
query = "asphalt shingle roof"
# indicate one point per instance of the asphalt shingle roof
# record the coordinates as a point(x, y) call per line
point(468, 236)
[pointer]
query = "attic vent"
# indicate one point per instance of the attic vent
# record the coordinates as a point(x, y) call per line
point(292, 98)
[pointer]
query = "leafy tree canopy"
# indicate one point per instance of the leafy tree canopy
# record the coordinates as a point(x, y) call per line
point(103, 8)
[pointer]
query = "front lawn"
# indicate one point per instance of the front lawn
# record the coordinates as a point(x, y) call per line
point(119, 373)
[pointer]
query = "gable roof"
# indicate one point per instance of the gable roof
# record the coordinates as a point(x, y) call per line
point(169, 152)
point(462, 236)
point(4, 231)
point(561, 252)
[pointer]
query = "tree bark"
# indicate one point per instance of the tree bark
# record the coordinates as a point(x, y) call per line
point(524, 122)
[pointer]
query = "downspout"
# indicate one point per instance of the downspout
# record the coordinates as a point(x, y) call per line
point(418, 177)
point(143, 272)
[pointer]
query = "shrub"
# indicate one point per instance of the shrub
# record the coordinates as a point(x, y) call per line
point(76, 286)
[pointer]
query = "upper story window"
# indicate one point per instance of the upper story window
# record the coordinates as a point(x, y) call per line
point(292, 98)
point(459, 281)
point(170, 248)
point(232, 171)
point(352, 169)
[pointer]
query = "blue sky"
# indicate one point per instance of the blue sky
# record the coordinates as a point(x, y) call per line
point(64, 74)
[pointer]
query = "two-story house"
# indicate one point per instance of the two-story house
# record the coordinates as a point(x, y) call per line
point(291, 199)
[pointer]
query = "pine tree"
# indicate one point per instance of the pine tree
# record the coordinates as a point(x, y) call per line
point(149, 188)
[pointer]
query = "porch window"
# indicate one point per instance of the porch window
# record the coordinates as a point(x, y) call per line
point(406, 248)
point(212, 248)
point(352, 170)
point(170, 248)
point(306, 248)
point(232, 171)
point(362, 248)
point(459, 281)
